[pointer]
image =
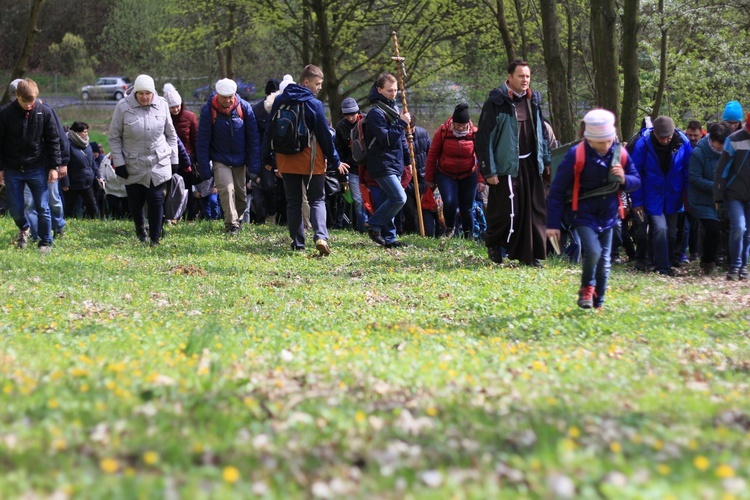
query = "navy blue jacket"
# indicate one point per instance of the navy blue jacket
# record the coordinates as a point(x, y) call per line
point(389, 153)
point(598, 212)
point(315, 119)
point(660, 193)
point(82, 169)
point(29, 139)
point(230, 140)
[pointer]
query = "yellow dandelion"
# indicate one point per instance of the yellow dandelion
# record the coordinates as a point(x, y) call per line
point(431, 411)
point(569, 445)
point(84, 388)
point(109, 465)
point(724, 471)
point(151, 458)
point(59, 444)
point(230, 474)
point(360, 416)
point(615, 447)
point(663, 469)
point(701, 463)
point(52, 404)
point(574, 432)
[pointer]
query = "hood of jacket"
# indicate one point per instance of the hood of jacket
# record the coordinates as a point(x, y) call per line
point(268, 101)
point(704, 145)
point(503, 94)
point(377, 96)
point(294, 92)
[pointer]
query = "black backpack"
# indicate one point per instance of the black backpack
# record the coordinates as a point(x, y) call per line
point(289, 133)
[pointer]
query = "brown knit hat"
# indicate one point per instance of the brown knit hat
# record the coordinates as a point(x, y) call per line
point(663, 126)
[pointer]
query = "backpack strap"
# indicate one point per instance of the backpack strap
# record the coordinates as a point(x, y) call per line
point(240, 113)
point(577, 169)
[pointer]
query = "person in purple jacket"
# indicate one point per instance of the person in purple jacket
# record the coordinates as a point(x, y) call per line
point(606, 171)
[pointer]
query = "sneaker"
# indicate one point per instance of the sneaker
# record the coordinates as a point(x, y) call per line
point(23, 238)
point(495, 254)
point(376, 237)
point(59, 233)
point(322, 246)
point(396, 244)
point(45, 249)
point(684, 259)
point(743, 272)
point(233, 231)
point(616, 260)
point(586, 297)
point(733, 274)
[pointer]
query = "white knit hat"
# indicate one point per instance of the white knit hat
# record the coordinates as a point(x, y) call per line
point(226, 87)
point(144, 83)
point(286, 81)
point(600, 125)
point(173, 98)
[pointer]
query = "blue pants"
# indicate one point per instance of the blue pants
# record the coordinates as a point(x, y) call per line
point(210, 207)
point(458, 194)
point(36, 180)
point(55, 209)
point(596, 260)
point(664, 238)
point(357, 197)
point(392, 200)
point(739, 232)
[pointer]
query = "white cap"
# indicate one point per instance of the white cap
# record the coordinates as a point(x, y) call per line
point(13, 87)
point(144, 83)
point(286, 81)
point(226, 87)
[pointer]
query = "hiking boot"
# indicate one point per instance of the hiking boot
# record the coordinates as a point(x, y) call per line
point(376, 237)
point(59, 233)
point(586, 297)
point(322, 246)
point(233, 231)
point(743, 272)
point(495, 254)
point(45, 249)
point(396, 244)
point(23, 238)
point(154, 243)
point(142, 235)
point(733, 274)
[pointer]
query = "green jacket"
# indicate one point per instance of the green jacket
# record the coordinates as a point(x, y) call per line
point(497, 134)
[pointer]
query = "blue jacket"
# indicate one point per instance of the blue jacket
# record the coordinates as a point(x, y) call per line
point(315, 119)
point(390, 152)
point(661, 194)
point(599, 212)
point(700, 192)
point(229, 140)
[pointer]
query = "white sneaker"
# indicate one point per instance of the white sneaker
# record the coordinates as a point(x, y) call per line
point(45, 249)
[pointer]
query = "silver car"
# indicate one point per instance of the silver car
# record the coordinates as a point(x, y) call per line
point(108, 87)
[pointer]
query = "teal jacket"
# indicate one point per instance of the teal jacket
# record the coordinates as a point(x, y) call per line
point(497, 134)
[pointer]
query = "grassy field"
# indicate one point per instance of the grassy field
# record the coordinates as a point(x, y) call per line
point(213, 367)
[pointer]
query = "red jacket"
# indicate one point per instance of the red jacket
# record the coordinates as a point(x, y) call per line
point(186, 124)
point(452, 156)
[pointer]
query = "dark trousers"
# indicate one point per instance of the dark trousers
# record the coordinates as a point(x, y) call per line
point(152, 196)
point(711, 240)
point(117, 207)
point(88, 198)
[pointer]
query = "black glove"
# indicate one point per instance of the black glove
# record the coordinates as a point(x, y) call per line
point(122, 171)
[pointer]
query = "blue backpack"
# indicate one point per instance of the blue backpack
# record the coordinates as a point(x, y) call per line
point(289, 132)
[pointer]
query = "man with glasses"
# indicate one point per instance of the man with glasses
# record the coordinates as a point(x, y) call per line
point(29, 155)
point(732, 116)
point(661, 155)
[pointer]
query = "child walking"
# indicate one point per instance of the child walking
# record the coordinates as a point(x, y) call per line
point(590, 180)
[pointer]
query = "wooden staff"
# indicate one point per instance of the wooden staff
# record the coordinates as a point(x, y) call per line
point(409, 136)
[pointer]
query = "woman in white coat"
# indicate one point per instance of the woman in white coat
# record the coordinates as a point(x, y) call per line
point(143, 143)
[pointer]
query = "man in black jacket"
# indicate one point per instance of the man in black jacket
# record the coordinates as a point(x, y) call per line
point(29, 155)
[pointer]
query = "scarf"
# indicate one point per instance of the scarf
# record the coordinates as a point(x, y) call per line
point(224, 111)
point(390, 113)
point(77, 140)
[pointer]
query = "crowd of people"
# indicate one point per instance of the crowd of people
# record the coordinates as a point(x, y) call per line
point(665, 196)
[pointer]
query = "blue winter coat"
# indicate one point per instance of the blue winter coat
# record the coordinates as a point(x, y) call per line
point(230, 140)
point(82, 169)
point(659, 193)
point(389, 153)
point(599, 212)
point(700, 192)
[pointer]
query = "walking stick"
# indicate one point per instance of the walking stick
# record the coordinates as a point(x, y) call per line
point(409, 136)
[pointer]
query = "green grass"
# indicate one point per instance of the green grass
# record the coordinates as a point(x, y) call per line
point(215, 368)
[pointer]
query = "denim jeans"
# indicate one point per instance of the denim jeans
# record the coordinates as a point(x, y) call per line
point(739, 232)
point(36, 179)
point(663, 238)
point(458, 194)
point(393, 198)
point(596, 260)
point(140, 195)
point(358, 206)
point(55, 209)
point(295, 185)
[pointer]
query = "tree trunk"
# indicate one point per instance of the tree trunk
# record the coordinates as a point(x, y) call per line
point(569, 19)
point(562, 121)
point(631, 81)
point(662, 64)
point(521, 28)
point(31, 31)
point(229, 50)
point(502, 26)
point(604, 55)
point(327, 63)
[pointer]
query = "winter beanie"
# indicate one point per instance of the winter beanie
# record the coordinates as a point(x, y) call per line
point(461, 113)
point(600, 125)
point(272, 86)
point(732, 112)
point(13, 86)
point(173, 98)
point(286, 81)
point(226, 87)
point(144, 83)
point(349, 106)
point(663, 126)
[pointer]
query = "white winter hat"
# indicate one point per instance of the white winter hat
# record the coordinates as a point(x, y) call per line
point(286, 81)
point(173, 98)
point(600, 125)
point(226, 87)
point(13, 86)
point(144, 83)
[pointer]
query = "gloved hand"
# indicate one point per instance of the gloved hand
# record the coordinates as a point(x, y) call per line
point(122, 171)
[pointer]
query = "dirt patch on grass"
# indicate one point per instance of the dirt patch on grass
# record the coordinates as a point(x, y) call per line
point(189, 270)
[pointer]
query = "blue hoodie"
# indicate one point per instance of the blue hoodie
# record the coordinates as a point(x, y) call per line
point(390, 152)
point(315, 119)
point(230, 140)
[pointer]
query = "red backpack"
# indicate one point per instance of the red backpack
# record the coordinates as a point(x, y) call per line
point(578, 168)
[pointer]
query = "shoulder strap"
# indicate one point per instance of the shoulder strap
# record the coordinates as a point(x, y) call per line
point(240, 113)
point(577, 169)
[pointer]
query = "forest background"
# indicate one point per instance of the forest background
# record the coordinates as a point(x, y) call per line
point(635, 57)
